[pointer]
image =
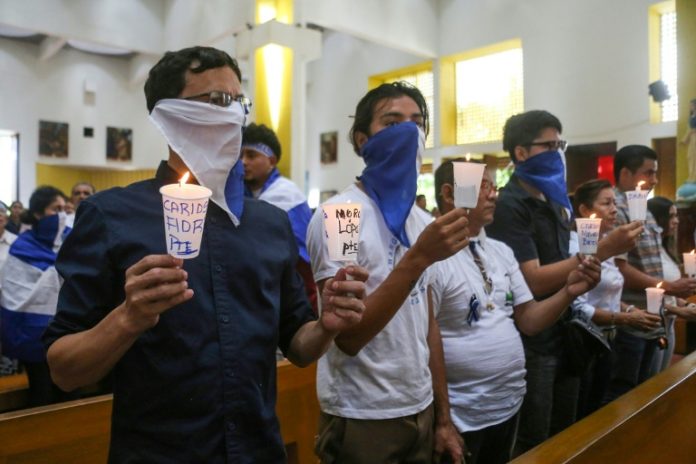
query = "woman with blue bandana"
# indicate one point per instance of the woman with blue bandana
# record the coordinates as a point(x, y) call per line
point(30, 286)
point(384, 379)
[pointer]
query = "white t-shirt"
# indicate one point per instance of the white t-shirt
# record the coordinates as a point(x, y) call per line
point(389, 377)
point(484, 360)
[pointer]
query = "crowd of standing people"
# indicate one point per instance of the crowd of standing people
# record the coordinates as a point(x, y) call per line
point(446, 338)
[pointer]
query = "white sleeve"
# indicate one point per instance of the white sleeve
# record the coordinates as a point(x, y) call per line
point(581, 304)
point(322, 267)
point(518, 286)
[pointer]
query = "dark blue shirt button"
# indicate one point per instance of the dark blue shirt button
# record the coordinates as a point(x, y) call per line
point(231, 426)
point(225, 319)
point(229, 373)
point(218, 268)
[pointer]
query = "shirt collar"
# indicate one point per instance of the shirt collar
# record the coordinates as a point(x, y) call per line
point(166, 174)
point(480, 239)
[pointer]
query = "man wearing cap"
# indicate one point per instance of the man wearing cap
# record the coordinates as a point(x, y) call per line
point(261, 153)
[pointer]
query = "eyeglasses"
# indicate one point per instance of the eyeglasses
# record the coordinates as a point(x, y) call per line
point(487, 186)
point(551, 144)
point(223, 99)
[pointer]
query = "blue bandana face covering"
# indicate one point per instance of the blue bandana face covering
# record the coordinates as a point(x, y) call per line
point(545, 172)
point(390, 176)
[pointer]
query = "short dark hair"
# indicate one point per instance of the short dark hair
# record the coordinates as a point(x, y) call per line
point(521, 129)
point(38, 202)
point(84, 182)
point(421, 196)
point(260, 133)
point(167, 78)
point(587, 193)
point(366, 107)
point(632, 158)
point(444, 174)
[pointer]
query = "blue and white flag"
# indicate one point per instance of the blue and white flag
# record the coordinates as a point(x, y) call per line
point(30, 286)
point(283, 193)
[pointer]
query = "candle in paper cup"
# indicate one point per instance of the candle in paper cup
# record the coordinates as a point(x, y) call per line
point(467, 183)
point(690, 263)
point(185, 206)
point(637, 202)
point(588, 233)
point(342, 226)
point(654, 296)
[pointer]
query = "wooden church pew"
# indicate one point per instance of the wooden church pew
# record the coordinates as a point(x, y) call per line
point(77, 432)
point(653, 423)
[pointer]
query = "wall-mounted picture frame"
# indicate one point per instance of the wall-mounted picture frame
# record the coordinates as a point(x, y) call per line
point(53, 139)
point(119, 144)
point(328, 143)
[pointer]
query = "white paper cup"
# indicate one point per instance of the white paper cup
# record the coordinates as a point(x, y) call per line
point(689, 264)
point(342, 226)
point(654, 296)
point(467, 183)
point(588, 234)
point(637, 204)
point(184, 208)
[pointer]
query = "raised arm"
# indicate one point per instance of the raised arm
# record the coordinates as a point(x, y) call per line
point(442, 238)
point(549, 278)
point(342, 307)
point(534, 316)
point(154, 284)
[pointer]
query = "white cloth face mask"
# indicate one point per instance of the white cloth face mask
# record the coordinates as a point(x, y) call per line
point(208, 139)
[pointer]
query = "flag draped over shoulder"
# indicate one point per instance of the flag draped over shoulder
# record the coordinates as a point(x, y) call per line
point(284, 194)
point(30, 285)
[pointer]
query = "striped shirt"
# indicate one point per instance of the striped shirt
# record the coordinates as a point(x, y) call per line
point(646, 255)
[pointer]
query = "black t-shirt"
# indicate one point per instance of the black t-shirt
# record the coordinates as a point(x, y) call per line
point(534, 229)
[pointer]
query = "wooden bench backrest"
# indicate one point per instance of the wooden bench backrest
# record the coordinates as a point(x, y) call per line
point(655, 422)
point(77, 432)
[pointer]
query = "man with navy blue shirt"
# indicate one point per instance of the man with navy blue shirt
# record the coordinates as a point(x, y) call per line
point(191, 343)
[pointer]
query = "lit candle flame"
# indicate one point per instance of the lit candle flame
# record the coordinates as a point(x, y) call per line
point(640, 184)
point(659, 285)
point(593, 215)
point(184, 178)
point(468, 156)
point(693, 251)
